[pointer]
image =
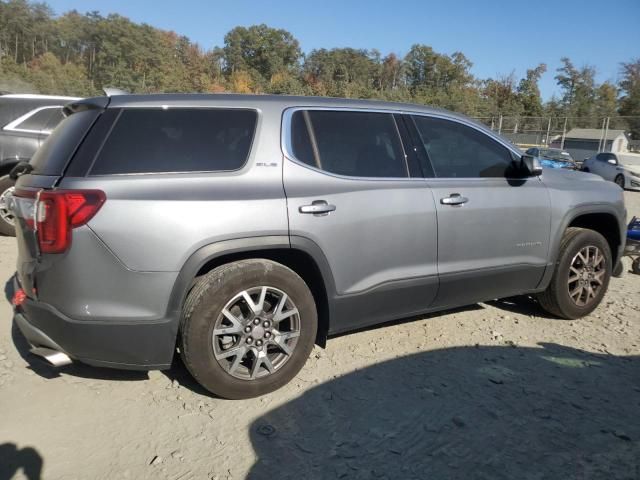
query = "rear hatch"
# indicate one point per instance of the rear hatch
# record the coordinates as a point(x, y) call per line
point(49, 165)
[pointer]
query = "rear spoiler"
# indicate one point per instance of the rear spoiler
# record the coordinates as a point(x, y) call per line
point(93, 102)
point(86, 104)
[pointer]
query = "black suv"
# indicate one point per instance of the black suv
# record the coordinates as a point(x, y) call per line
point(26, 120)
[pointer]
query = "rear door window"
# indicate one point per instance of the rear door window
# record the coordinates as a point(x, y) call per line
point(350, 143)
point(177, 140)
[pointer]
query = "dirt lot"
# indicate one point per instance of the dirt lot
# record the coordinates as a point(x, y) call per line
point(496, 390)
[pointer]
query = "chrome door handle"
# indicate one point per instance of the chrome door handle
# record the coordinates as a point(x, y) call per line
point(454, 199)
point(318, 207)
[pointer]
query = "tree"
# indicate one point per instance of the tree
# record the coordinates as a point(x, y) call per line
point(262, 50)
point(578, 86)
point(630, 100)
point(529, 93)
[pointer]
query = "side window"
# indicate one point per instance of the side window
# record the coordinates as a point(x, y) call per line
point(459, 151)
point(56, 117)
point(146, 140)
point(40, 120)
point(356, 144)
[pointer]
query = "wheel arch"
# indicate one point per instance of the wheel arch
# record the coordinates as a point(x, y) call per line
point(300, 254)
point(602, 218)
point(606, 224)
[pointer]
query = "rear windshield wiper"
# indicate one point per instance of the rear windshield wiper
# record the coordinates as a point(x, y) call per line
point(21, 168)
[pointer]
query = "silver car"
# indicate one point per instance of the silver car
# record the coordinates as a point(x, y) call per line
point(621, 168)
point(241, 230)
point(26, 121)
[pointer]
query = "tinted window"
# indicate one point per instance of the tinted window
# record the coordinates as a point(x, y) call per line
point(56, 117)
point(604, 157)
point(41, 119)
point(456, 150)
point(177, 140)
point(358, 144)
point(55, 152)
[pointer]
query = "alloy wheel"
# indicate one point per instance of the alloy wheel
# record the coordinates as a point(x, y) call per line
point(6, 215)
point(256, 333)
point(586, 275)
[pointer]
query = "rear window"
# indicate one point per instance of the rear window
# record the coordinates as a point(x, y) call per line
point(43, 120)
point(58, 148)
point(177, 140)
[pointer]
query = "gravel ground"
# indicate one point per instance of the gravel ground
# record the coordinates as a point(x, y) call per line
point(496, 390)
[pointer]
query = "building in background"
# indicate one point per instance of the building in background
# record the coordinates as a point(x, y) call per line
point(585, 142)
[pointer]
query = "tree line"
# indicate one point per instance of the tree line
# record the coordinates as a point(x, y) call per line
point(79, 54)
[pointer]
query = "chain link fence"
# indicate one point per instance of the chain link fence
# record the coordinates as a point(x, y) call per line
point(581, 136)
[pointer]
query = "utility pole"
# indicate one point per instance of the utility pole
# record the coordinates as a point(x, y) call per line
point(604, 120)
point(564, 133)
point(606, 131)
point(500, 124)
point(548, 131)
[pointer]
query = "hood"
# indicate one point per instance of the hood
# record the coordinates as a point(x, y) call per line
point(629, 161)
point(564, 174)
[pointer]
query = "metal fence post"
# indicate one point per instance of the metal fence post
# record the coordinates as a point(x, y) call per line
point(564, 133)
point(548, 132)
point(606, 131)
point(500, 124)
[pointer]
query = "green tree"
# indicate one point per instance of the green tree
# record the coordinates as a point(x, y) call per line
point(630, 100)
point(261, 50)
point(529, 93)
point(578, 87)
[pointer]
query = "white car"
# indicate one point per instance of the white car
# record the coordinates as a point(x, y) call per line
point(621, 168)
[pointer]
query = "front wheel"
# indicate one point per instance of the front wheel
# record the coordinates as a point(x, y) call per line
point(248, 328)
point(581, 275)
point(620, 181)
point(7, 220)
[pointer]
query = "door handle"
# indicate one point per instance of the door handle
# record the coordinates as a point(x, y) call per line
point(318, 208)
point(454, 199)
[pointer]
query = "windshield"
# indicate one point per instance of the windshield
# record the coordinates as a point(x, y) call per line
point(558, 155)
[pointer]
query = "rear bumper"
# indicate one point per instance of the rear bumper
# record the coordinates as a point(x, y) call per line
point(133, 346)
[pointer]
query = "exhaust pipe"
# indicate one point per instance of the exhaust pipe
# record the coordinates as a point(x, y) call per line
point(54, 357)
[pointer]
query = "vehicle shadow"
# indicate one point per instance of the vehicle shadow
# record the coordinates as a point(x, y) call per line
point(470, 412)
point(13, 459)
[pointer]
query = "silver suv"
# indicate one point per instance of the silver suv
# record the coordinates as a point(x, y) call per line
point(241, 230)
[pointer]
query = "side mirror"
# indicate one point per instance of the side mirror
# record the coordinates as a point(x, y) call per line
point(531, 164)
point(612, 161)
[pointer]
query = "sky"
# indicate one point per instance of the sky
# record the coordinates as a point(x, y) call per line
point(500, 37)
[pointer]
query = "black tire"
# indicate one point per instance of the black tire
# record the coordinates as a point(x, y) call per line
point(204, 305)
point(585, 169)
point(635, 266)
point(556, 299)
point(620, 181)
point(6, 228)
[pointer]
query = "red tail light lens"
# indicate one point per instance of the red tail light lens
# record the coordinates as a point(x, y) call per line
point(57, 212)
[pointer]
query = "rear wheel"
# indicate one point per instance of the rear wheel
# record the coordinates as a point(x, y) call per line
point(248, 328)
point(635, 266)
point(620, 181)
point(581, 275)
point(7, 221)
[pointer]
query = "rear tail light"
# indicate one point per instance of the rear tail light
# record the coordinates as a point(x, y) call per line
point(56, 212)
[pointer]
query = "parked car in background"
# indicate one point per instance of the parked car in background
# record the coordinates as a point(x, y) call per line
point(553, 158)
point(623, 169)
point(247, 227)
point(26, 120)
